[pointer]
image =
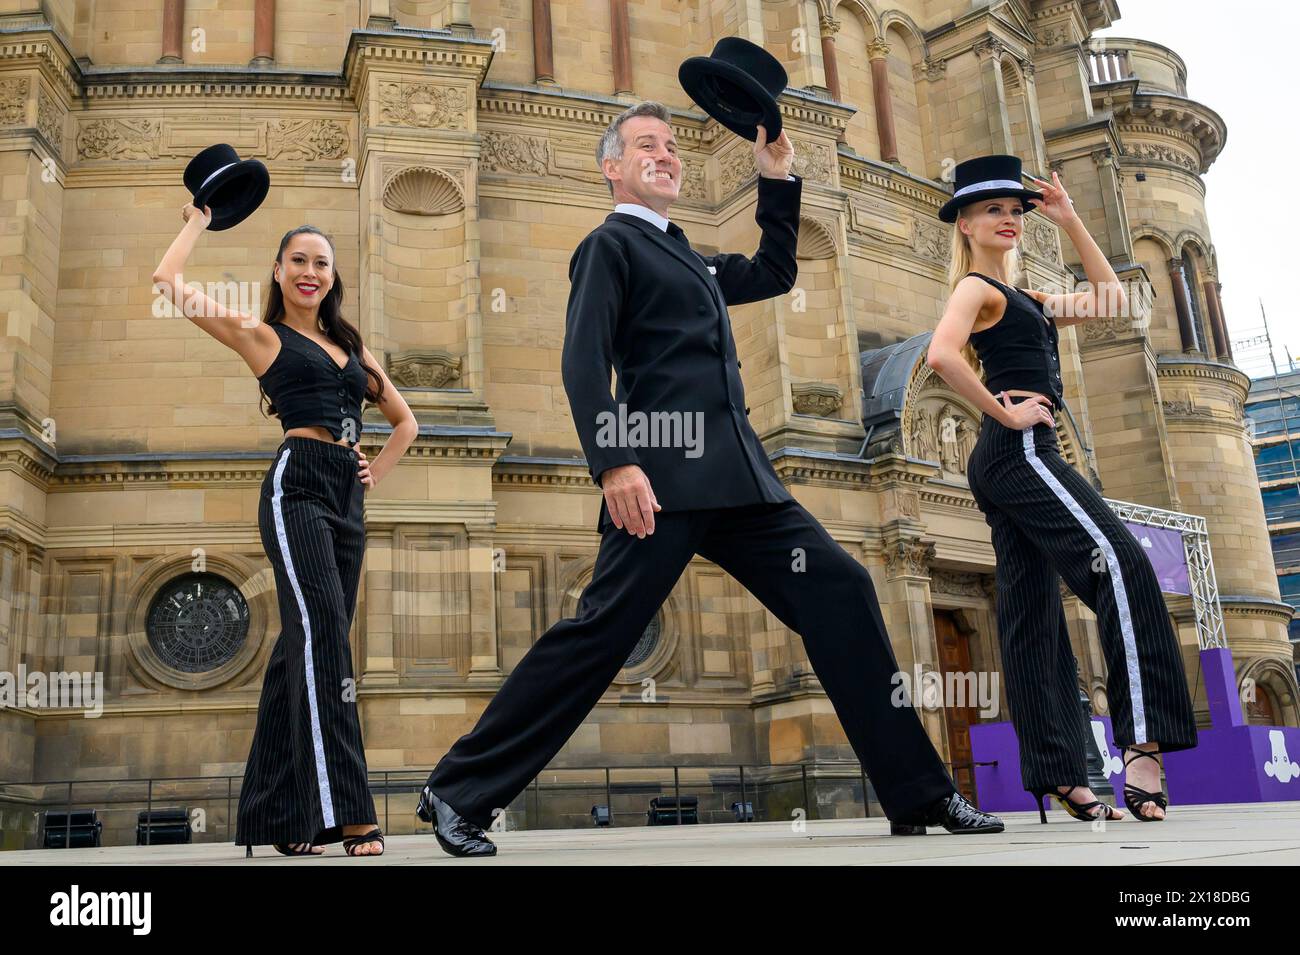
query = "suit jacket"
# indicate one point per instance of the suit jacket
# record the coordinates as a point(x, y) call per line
point(646, 304)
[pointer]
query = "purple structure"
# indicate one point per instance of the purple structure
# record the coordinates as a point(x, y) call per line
point(998, 786)
point(1232, 762)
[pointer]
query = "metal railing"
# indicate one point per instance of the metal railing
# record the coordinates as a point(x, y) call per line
point(748, 782)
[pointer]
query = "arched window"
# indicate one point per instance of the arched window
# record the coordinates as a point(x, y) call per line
point(1188, 273)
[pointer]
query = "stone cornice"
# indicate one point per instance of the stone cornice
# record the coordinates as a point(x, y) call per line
point(1249, 605)
point(859, 174)
point(1165, 115)
point(1203, 369)
point(693, 129)
point(39, 45)
point(549, 474)
point(428, 54)
point(79, 472)
point(804, 466)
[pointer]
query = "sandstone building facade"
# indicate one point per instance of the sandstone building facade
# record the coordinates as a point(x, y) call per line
point(447, 146)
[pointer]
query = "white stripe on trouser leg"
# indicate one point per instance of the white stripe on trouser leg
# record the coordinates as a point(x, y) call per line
point(317, 741)
point(1117, 583)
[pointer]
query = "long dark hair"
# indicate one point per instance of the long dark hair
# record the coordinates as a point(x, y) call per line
point(337, 329)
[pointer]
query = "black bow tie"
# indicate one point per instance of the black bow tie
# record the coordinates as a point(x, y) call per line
point(676, 232)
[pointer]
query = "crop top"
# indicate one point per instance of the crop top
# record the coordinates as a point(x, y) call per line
point(308, 388)
point(1020, 352)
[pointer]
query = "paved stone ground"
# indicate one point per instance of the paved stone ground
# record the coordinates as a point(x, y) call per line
point(1252, 834)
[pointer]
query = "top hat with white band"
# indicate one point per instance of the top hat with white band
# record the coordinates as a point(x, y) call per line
point(987, 177)
point(232, 187)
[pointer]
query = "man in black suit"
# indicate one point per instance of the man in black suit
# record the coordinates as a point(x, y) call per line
point(684, 473)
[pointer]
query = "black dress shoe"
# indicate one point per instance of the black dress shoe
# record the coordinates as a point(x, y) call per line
point(952, 812)
point(456, 834)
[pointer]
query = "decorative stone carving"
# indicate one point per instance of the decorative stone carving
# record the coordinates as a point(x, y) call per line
point(1183, 404)
point(1108, 329)
point(49, 120)
point(737, 167)
point(1156, 152)
point(423, 191)
point(945, 434)
point(301, 140)
point(987, 46)
point(13, 101)
point(816, 241)
point(1054, 36)
point(930, 69)
point(958, 583)
point(423, 368)
point(1041, 239)
point(119, 139)
point(908, 557)
point(812, 161)
point(931, 241)
point(816, 398)
point(422, 105)
point(693, 185)
point(513, 152)
point(909, 505)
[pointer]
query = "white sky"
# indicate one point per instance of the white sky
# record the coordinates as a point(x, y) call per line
point(1240, 63)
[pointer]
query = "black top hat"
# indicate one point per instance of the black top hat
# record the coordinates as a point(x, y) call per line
point(737, 85)
point(986, 177)
point(231, 186)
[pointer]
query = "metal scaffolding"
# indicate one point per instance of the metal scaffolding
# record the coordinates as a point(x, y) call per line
point(1200, 564)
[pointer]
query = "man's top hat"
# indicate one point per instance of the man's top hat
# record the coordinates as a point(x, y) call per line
point(737, 85)
point(231, 186)
point(986, 177)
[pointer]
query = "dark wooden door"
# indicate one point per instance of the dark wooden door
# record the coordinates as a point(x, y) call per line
point(954, 657)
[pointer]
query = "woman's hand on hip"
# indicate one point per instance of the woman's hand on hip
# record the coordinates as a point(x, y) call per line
point(363, 470)
point(1026, 414)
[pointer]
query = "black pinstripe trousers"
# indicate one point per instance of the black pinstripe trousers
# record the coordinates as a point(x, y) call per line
point(306, 773)
point(827, 597)
point(1049, 523)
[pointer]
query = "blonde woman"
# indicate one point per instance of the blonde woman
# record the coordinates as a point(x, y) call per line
point(1046, 518)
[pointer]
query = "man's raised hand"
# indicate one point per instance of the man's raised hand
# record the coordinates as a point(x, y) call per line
point(774, 159)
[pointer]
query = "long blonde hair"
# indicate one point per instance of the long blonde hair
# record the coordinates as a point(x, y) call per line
point(959, 263)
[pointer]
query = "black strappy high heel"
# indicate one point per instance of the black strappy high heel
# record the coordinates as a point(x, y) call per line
point(354, 842)
point(287, 849)
point(1136, 798)
point(1080, 811)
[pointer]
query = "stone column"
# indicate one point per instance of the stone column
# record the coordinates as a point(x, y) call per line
point(1039, 157)
point(622, 46)
point(1217, 327)
point(1181, 305)
point(906, 603)
point(878, 51)
point(263, 34)
point(989, 52)
point(830, 26)
point(172, 30)
point(543, 51)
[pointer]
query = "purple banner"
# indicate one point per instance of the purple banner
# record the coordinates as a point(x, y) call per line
point(1164, 548)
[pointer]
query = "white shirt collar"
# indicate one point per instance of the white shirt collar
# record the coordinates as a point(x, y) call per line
point(643, 212)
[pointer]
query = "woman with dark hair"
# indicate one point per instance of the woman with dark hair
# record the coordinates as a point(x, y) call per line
point(1046, 518)
point(305, 783)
